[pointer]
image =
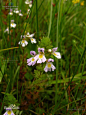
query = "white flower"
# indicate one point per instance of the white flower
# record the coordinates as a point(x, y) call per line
point(10, 13)
point(30, 5)
point(29, 35)
point(40, 57)
point(13, 25)
point(56, 54)
point(16, 11)
point(33, 40)
point(27, 2)
point(31, 61)
point(20, 14)
point(23, 43)
point(28, 11)
point(49, 66)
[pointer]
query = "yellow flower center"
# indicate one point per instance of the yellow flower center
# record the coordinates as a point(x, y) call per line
point(32, 59)
point(23, 41)
point(54, 54)
point(12, 23)
point(49, 65)
point(41, 56)
point(32, 39)
point(9, 112)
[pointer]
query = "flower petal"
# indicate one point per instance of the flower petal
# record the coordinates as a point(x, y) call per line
point(54, 49)
point(31, 35)
point(46, 69)
point(57, 54)
point(28, 60)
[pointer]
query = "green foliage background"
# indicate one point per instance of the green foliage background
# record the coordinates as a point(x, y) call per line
point(56, 23)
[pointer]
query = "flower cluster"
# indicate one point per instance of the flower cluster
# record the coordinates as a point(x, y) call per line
point(13, 25)
point(40, 58)
point(29, 3)
point(15, 11)
point(23, 42)
point(78, 1)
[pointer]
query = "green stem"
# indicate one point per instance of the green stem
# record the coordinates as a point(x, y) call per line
point(37, 19)
point(57, 38)
point(50, 18)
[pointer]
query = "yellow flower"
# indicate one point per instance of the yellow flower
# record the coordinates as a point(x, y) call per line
point(82, 3)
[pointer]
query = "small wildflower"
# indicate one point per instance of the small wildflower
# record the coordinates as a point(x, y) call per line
point(23, 43)
point(28, 11)
point(20, 14)
point(12, 24)
point(40, 57)
point(30, 5)
point(49, 65)
point(26, 2)
point(56, 54)
point(16, 11)
point(29, 35)
point(82, 3)
point(9, 112)
point(33, 40)
point(10, 13)
point(7, 30)
point(32, 60)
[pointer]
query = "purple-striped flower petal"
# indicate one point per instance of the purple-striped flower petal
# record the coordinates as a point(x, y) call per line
point(33, 53)
point(54, 49)
point(41, 50)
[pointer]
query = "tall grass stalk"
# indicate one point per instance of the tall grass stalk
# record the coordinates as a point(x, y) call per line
point(72, 77)
point(37, 19)
point(50, 19)
point(57, 40)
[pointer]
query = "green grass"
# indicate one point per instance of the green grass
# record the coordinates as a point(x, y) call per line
point(55, 24)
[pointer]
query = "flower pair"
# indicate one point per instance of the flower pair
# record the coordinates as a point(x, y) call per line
point(30, 36)
point(40, 58)
point(12, 25)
